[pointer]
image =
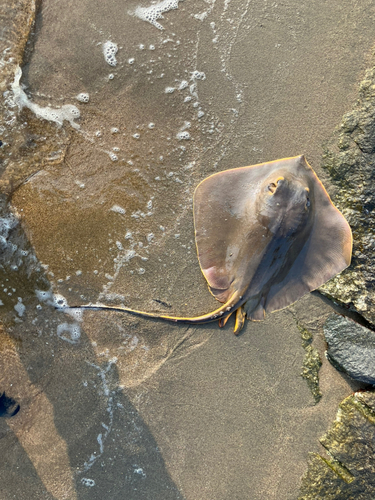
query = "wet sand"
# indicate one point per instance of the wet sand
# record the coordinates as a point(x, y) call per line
point(142, 408)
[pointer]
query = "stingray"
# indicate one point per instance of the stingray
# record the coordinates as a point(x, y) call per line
point(266, 235)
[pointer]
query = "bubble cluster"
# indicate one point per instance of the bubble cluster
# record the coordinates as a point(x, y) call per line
point(88, 482)
point(183, 135)
point(72, 329)
point(117, 209)
point(155, 11)
point(198, 75)
point(82, 97)
point(110, 50)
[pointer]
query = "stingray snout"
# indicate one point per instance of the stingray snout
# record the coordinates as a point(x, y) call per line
point(274, 185)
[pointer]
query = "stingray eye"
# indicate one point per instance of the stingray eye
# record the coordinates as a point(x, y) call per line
point(308, 202)
point(272, 187)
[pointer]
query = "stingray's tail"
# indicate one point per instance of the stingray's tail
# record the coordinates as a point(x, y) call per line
point(219, 314)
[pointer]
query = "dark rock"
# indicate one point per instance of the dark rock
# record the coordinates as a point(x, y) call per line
point(351, 348)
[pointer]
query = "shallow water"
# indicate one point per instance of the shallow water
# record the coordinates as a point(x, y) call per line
point(106, 215)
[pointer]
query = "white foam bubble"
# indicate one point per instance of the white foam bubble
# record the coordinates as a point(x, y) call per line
point(131, 60)
point(118, 209)
point(201, 16)
point(20, 308)
point(44, 296)
point(169, 90)
point(183, 136)
point(114, 130)
point(75, 313)
point(67, 112)
point(182, 133)
point(113, 156)
point(136, 136)
point(82, 97)
point(109, 51)
point(88, 482)
point(151, 125)
point(72, 329)
point(198, 75)
point(155, 11)
point(183, 85)
point(59, 300)
point(193, 90)
point(111, 76)
point(140, 471)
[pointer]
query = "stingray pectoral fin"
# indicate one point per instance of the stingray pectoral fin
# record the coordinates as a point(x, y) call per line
point(240, 320)
point(255, 309)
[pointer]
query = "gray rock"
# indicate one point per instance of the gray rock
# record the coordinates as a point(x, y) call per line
point(347, 472)
point(349, 158)
point(351, 348)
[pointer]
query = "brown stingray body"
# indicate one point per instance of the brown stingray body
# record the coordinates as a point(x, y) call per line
point(266, 235)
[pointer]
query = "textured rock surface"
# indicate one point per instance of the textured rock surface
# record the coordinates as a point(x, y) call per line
point(349, 470)
point(311, 363)
point(351, 347)
point(349, 158)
